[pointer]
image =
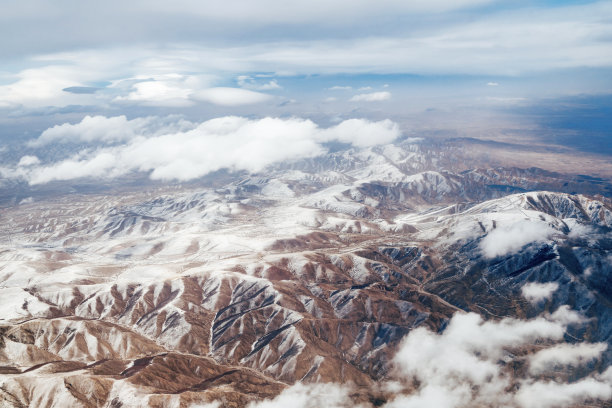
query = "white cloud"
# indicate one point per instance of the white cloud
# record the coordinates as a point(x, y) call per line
point(372, 97)
point(492, 84)
point(472, 363)
point(28, 161)
point(507, 239)
point(565, 355)
point(27, 200)
point(361, 132)
point(101, 129)
point(231, 96)
point(536, 292)
point(565, 316)
point(310, 396)
point(35, 87)
point(553, 395)
point(467, 364)
point(158, 93)
point(228, 142)
point(364, 88)
point(340, 88)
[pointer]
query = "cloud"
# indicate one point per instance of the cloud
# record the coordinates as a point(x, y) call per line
point(536, 292)
point(340, 88)
point(492, 84)
point(469, 364)
point(565, 355)
point(230, 142)
point(42, 86)
point(476, 363)
point(110, 130)
point(310, 396)
point(553, 395)
point(362, 133)
point(27, 160)
point(495, 43)
point(511, 238)
point(246, 81)
point(372, 97)
point(231, 96)
point(158, 93)
point(81, 89)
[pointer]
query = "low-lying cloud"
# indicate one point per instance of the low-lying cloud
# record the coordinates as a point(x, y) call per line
point(469, 364)
point(184, 151)
point(473, 363)
point(310, 396)
point(565, 355)
point(508, 239)
point(536, 292)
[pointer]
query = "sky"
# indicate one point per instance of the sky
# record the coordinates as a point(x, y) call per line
point(416, 63)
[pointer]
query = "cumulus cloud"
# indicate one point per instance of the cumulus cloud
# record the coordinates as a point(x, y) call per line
point(310, 396)
point(468, 364)
point(231, 142)
point(536, 292)
point(473, 363)
point(92, 129)
point(340, 88)
point(507, 239)
point(28, 161)
point(372, 97)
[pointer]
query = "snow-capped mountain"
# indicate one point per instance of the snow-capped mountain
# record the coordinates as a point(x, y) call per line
point(318, 271)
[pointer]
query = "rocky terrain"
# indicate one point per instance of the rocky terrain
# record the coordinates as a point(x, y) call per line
point(318, 273)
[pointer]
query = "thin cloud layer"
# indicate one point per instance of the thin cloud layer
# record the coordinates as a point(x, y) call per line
point(173, 153)
point(230, 96)
point(371, 97)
